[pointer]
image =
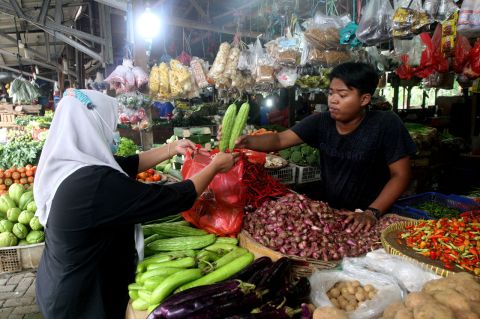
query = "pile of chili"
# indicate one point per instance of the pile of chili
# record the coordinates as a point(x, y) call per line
point(455, 242)
point(260, 185)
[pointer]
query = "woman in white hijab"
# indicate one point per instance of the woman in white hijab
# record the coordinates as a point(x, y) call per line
point(89, 202)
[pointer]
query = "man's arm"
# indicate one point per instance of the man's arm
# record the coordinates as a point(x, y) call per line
point(269, 142)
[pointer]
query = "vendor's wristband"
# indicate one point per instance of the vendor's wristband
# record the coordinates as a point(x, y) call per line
point(376, 212)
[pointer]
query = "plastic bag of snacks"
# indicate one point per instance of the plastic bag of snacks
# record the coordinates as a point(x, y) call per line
point(198, 72)
point(375, 25)
point(409, 19)
point(179, 76)
point(154, 80)
point(439, 9)
point(232, 62)
point(218, 66)
point(287, 77)
point(264, 65)
point(469, 19)
point(164, 81)
point(320, 35)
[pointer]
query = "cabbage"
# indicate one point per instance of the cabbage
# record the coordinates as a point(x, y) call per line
point(7, 239)
point(35, 236)
point(15, 192)
point(20, 230)
point(5, 225)
point(13, 213)
point(25, 217)
point(35, 224)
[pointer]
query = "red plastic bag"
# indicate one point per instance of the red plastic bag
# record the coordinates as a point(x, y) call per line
point(426, 66)
point(475, 57)
point(219, 209)
point(462, 50)
point(405, 71)
point(439, 61)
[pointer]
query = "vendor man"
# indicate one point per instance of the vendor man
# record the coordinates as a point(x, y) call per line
point(364, 155)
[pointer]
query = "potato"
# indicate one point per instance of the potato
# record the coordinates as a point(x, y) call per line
point(452, 299)
point(342, 304)
point(350, 307)
point(344, 291)
point(369, 288)
point(392, 309)
point(360, 296)
point(372, 294)
point(359, 289)
point(403, 314)
point(466, 315)
point(356, 283)
point(334, 302)
point(351, 290)
point(415, 299)
point(329, 313)
point(335, 292)
point(341, 298)
point(438, 284)
point(475, 306)
point(432, 310)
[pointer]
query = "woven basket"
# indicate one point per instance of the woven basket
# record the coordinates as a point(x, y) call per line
point(390, 242)
point(302, 267)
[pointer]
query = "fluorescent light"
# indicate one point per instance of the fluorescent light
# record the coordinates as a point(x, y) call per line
point(79, 12)
point(148, 25)
point(269, 102)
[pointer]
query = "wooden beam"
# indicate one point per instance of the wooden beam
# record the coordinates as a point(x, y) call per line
point(179, 22)
point(2, 59)
point(187, 12)
point(25, 73)
point(243, 6)
point(199, 9)
point(43, 12)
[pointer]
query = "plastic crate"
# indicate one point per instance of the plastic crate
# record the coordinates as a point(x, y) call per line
point(405, 205)
point(307, 174)
point(17, 258)
point(286, 175)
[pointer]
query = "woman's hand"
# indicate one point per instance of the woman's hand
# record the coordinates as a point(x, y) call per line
point(359, 220)
point(223, 162)
point(182, 146)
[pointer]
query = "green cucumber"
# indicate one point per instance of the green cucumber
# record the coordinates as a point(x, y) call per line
point(172, 282)
point(157, 272)
point(140, 304)
point(226, 240)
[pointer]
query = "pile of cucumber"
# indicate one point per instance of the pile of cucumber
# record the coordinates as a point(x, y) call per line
point(183, 257)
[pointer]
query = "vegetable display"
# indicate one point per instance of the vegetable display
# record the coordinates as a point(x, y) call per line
point(127, 147)
point(348, 295)
point(18, 223)
point(227, 126)
point(149, 176)
point(302, 155)
point(437, 210)
point(455, 242)
point(182, 257)
point(454, 297)
point(297, 225)
point(239, 125)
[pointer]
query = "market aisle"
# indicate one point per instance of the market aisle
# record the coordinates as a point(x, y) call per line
point(17, 296)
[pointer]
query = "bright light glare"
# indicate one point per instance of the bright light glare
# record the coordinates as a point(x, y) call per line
point(148, 25)
point(269, 102)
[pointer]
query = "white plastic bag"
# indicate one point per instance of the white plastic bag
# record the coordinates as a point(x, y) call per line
point(469, 19)
point(375, 25)
point(287, 77)
point(410, 276)
point(388, 290)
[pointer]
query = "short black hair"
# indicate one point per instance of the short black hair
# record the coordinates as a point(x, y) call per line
point(358, 75)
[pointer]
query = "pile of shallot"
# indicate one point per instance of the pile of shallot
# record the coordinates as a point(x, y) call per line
point(299, 226)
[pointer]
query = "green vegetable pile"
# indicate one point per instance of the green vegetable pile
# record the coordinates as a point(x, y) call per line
point(20, 151)
point(18, 223)
point(437, 210)
point(35, 121)
point(127, 147)
point(182, 257)
point(303, 155)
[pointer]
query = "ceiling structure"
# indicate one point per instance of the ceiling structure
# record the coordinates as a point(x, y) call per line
point(92, 34)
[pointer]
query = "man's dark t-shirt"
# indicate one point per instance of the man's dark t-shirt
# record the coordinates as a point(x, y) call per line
point(354, 166)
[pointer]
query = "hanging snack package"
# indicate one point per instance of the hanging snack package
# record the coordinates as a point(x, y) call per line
point(154, 80)
point(287, 77)
point(375, 24)
point(198, 73)
point(245, 60)
point(164, 81)
point(409, 19)
point(232, 62)
point(288, 51)
point(449, 33)
point(194, 91)
point(220, 62)
point(179, 76)
point(469, 19)
point(439, 9)
point(320, 35)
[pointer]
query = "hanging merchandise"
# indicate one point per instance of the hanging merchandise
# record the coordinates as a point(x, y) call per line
point(245, 59)
point(23, 92)
point(469, 19)
point(347, 35)
point(405, 71)
point(375, 25)
point(264, 65)
point(323, 32)
point(131, 109)
point(449, 32)
point(287, 77)
point(220, 62)
point(409, 19)
point(126, 77)
point(461, 54)
point(439, 9)
point(199, 72)
point(413, 48)
point(159, 82)
point(180, 79)
point(472, 68)
point(185, 56)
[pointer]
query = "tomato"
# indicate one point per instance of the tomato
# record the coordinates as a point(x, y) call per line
point(16, 175)
point(142, 175)
point(23, 181)
point(3, 187)
point(156, 177)
point(2, 175)
point(8, 182)
point(8, 173)
point(150, 171)
point(13, 169)
point(28, 167)
point(21, 170)
point(29, 173)
point(23, 175)
point(148, 179)
point(30, 179)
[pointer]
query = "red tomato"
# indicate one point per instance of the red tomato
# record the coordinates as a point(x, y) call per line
point(150, 171)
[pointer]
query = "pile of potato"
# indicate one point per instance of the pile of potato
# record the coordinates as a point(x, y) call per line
point(455, 297)
point(347, 295)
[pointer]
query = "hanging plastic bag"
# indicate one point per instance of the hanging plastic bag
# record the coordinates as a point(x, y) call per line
point(375, 25)
point(439, 59)
point(198, 72)
point(141, 77)
point(426, 66)
point(287, 77)
point(409, 19)
point(475, 57)
point(439, 9)
point(469, 19)
point(413, 48)
point(405, 71)
point(388, 290)
point(220, 61)
point(219, 209)
point(461, 55)
point(323, 32)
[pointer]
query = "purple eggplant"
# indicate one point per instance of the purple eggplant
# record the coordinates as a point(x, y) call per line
point(276, 274)
point(296, 293)
point(195, 293)
point(190, 307)
point(258, 265)
point(306, 312)
point(258, 276)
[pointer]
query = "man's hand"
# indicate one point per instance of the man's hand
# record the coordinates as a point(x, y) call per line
point(241, 142)
point(359, 220)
